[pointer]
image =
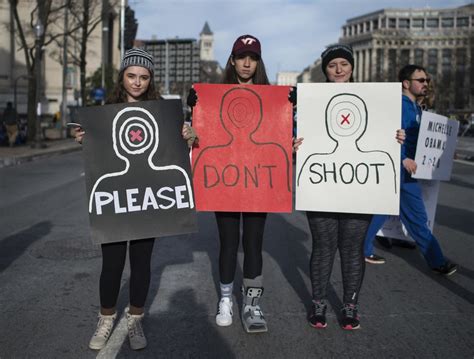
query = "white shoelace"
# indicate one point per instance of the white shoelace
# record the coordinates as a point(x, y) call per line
point(225, 307)
point(135, 327)
point(104, 327)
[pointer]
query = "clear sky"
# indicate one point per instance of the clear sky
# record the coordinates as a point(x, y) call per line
point(293, 33)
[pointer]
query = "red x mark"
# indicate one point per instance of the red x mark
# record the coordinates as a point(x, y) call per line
point(345, 119)
point(135, 135)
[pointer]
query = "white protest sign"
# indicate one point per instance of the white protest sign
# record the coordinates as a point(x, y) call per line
point(393, 227)
point(435, 147)
point(349, 161)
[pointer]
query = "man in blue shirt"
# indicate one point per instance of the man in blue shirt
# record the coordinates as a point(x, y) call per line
point(412, 209)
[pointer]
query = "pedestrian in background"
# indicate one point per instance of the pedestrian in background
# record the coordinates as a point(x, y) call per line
point(244, 66)
point(344, 231)
point(415, 84)
point(10, 120)
point(135, 83)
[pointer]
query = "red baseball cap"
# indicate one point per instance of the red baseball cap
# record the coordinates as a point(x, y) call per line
point(246, 43)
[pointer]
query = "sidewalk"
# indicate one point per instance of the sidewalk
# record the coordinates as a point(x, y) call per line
point(24, 153)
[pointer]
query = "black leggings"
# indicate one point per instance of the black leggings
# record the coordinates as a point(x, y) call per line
point(228, 224)
point(331, 231)
point(113, 262)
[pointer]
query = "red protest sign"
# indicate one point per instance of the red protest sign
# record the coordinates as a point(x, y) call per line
point(244, 159)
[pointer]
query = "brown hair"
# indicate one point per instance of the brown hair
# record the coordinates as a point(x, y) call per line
point(258, 78)
point(119, 95)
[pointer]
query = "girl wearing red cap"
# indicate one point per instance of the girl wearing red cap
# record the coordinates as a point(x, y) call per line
point(244, 66)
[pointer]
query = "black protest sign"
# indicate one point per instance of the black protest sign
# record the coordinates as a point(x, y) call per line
point(137, 171)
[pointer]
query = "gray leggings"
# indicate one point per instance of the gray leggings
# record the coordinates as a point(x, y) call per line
point(331, 231)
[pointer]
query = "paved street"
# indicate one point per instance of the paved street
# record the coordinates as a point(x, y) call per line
point(49, 273)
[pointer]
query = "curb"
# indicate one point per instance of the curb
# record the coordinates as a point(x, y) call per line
point(16, 160)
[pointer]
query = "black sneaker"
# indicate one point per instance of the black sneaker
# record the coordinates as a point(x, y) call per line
point(446, 269)
point(350, 318)
point(317, 318)
point(375, 259)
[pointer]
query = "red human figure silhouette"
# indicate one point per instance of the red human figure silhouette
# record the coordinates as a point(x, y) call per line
point(243, 174)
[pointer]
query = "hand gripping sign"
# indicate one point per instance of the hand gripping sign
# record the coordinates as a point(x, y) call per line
point(137, 171)
point(349, 160)
point(243, 162)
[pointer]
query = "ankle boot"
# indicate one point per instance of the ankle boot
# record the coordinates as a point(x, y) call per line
point(252, 316)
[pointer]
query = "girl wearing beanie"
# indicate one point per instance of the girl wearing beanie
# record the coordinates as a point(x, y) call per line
point(135, 83)
point(343, 231)
point(244, 66)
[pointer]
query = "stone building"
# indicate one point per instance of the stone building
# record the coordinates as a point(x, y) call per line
point(181, 62)
point(441, 40)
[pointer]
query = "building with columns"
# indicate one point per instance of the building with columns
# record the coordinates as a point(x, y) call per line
point(441, 40)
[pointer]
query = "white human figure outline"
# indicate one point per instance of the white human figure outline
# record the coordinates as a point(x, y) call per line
point(154, 140)
point(346, 103)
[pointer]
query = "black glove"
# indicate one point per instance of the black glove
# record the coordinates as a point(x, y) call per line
point(192, 97)
point(291, 95)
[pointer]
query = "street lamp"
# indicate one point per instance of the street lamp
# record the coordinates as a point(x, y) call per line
point(39, 30)
point(105, 41)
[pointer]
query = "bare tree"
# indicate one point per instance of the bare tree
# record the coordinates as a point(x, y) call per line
point(86, 15)
point(47, 12)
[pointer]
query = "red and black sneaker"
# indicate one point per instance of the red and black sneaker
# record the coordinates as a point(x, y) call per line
point(317, 318)
point(350, 318)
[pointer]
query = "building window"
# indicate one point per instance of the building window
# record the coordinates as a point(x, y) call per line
point(447, 22)
point(433, 22)
point(418, 58)
point(461, 58)
point(361, 28)
point(392, 65)
point(404, 57)
point(392, 23)
point(403, 23)
point(384, 22)
point(375, 24)
point(446, 59)
point(462, 21)
point(432, 67)
point(367, 26)
point(418, 23)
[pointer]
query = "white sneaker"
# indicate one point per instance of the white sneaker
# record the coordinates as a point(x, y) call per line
point(224, 314)
point(135, 331)
point(103, 331)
